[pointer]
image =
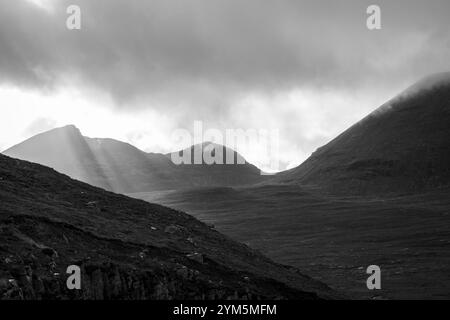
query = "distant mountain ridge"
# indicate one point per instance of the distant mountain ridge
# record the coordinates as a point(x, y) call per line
point(234, 171)
point(403, 146)
point(121, 167)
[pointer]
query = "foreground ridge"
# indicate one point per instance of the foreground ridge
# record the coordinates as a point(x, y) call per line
point(126, 248)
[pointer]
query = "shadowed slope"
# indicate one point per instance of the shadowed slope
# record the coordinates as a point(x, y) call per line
point(332, 238)
point(128, 168)
point(128, 249)
point(403, 146)
point(212, 165)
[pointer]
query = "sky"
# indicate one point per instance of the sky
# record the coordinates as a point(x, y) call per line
point(139, 70)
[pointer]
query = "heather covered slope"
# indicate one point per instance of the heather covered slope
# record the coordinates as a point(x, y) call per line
point(403, 146)
point(335, 238)
point(127, 248)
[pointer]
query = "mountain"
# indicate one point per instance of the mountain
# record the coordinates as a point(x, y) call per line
point(377, 194)
point(126, 248)
point(121, 167)
point(64, 149)
point(129, 169)
point(403, 146)
point(230, 168)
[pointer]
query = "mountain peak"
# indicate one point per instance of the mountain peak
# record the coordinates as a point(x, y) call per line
point(432, 82)
point(435, 79)
point(68, 128)
point(212, 147)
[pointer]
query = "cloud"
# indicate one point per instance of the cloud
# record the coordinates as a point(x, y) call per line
point(150, 50)
point(208, 59)
point(40, 125)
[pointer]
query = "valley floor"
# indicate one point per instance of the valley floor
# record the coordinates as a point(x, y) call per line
point(334, 239)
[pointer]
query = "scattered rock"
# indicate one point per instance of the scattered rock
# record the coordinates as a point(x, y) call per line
point(49, 252)
point(172, 229)
point(143, 254)
point(198, 257)
point(92, 204)
point(183, 272)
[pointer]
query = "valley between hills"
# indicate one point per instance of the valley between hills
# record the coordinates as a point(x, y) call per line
point(376, 194)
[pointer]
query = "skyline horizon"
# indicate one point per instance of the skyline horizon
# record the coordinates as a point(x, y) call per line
point(243, 151)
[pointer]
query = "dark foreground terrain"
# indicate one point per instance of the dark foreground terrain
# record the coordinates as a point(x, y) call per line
point(334, 239)
point(127, 248)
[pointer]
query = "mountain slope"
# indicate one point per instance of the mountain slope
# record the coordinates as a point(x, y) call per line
point(121, 167)
point(128, 169)
point(127, 248)
point(231, 169)
point(65, 150)
point(403, 146)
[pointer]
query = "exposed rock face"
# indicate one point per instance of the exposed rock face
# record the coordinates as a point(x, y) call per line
point(109, 281)
point(126, 248)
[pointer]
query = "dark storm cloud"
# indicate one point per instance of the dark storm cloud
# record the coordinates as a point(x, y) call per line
point(206, 52)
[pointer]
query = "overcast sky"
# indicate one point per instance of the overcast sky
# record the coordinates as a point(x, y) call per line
point(138, 69)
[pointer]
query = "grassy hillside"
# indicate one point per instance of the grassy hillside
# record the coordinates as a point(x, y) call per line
point(127, 248)
point(335, 238)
